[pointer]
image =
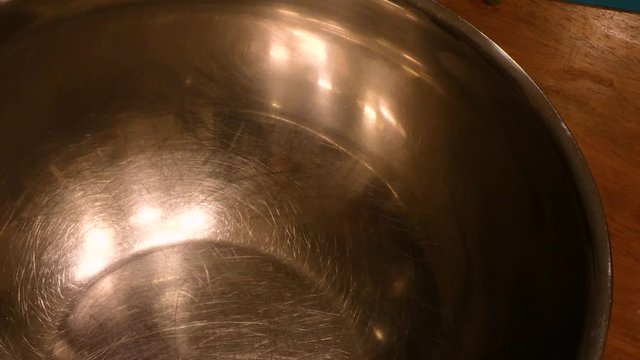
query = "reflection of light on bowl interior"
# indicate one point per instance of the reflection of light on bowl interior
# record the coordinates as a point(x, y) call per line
point(384, 110)
point(325, 84)
point(146, 215)
point(302, 44)
point(370, 110)
point(279, 52)
point(411, 71)
point(288, 12)
point(193, 220)
point(411, 58)
point(378, 333)
point(374, 106)
point(391, 119)
point(97, 251)
point(312, 46)
point(190, 223)
point(370, 114)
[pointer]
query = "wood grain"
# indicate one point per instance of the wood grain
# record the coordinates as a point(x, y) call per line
point(587, 61)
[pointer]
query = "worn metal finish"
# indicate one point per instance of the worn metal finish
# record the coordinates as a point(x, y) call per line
point(289, 179)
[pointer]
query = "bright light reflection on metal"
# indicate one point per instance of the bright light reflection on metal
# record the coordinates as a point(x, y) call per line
point(288, 12)
point(384, 110)
point(146, 215)
point(193, 220)
point(411, 71)
point(378, 333)
point(375, 110)
point(312, 46)
point(279, 52)
point(411, 58)
point(98, 250)
point(370, 114)
point(325, 84)
point(191, 223)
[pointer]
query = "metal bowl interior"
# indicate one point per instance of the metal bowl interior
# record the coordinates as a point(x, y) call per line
point(285, 179)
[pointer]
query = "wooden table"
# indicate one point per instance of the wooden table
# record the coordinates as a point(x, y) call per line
point(587, 61)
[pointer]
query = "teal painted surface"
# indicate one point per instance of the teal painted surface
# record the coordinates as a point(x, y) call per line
point(631, 5)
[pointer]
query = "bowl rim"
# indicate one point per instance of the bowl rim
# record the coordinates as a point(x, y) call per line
point(600, 294)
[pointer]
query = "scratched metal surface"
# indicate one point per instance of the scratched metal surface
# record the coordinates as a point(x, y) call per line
point(257, 179)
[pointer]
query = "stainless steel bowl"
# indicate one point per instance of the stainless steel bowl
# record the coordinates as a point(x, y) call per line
point(255, 179)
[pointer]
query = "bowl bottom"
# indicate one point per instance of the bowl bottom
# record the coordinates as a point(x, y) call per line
point(203, 299)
